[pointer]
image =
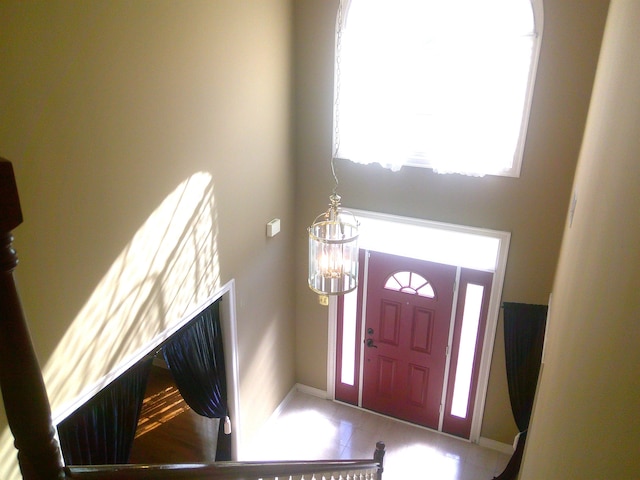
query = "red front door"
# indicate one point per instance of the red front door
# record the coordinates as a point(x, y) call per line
point(408, 313)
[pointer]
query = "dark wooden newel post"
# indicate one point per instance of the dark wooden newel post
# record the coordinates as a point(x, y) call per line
point(23, 391)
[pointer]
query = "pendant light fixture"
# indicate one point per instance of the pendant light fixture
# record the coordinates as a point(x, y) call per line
point(333, 251)
point(333, 237)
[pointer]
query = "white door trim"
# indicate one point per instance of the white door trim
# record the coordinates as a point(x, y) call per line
point(452, 327)
point(499, 269)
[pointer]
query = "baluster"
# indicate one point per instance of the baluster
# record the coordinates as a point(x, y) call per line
point(23, 390)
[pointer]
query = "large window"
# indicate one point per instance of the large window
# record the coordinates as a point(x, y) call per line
point(444, 84)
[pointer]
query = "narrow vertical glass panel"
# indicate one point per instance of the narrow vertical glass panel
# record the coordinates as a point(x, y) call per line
point(467, 349)
point(347, 372)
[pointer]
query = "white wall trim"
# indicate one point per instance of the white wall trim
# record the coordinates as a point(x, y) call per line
point(229, 329)
point(316, 392)
point(283, 404)
point(298, 387)
point(331, 352)
point(495, 445)
point(489, 337)
point(230, 332)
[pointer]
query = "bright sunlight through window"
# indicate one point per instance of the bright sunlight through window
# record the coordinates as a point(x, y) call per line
point(410, 282)
point(347, 373)
point(436, 83)
point(466, 351)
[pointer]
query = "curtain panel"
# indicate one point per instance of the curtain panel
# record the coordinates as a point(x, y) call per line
point(195, 357)
point(524, 327)
point(101, 432)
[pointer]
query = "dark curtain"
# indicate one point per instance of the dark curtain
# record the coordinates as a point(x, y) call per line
point(195, 357)
point(101, 432)
point(524, 327)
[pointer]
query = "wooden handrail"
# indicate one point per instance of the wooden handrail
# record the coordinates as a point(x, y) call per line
point(29, 412)
point(227, 470)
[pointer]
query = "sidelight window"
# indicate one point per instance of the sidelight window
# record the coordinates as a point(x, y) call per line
point(467, 350)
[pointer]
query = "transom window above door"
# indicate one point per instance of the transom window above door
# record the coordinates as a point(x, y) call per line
point(436, 83)
point(410, 282)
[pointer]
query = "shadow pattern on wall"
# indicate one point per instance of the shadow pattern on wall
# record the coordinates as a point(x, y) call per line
point(163, 275)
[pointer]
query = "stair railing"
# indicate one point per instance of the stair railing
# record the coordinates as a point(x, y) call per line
point(29, 412)
point(293, 470)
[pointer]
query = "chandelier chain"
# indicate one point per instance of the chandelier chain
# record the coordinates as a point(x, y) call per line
point(336, 109)
point(333, 236)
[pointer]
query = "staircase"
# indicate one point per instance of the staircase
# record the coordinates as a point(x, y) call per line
point(29, 413)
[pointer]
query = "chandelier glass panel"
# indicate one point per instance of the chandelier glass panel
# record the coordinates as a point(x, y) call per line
point(333, 251)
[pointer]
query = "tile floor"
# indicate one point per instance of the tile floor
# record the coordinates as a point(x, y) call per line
point(311, 428)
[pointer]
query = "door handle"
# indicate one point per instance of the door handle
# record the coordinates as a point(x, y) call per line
point(369, 343)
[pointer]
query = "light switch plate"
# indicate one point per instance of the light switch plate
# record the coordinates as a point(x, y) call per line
point(273, 227)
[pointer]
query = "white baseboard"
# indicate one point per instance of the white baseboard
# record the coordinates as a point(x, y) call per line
point(285, 401)
point(296, 388)
point(316, 392)
point(495, 445)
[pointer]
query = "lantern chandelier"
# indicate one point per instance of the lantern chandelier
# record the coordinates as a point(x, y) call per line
point(333, 237)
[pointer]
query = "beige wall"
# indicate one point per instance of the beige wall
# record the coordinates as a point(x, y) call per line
point(532, 207)
point(585, 422)
point(151, 144)
point(108, 108)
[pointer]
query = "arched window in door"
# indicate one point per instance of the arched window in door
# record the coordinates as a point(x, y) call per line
point(410, 282)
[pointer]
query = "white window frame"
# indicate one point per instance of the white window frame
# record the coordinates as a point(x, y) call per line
point(430, 233)
point(516, 166)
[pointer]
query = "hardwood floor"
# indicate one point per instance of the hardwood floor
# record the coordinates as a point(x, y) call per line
point(168, 430)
